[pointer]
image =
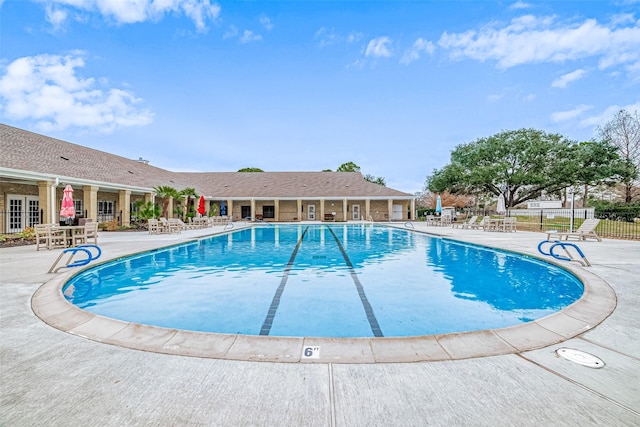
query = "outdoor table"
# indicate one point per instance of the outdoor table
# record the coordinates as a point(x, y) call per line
point(71, 232)
point(495, 224)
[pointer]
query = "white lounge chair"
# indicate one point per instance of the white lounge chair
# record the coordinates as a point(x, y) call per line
point(484, 222)
point(586, 230)
point(468, 223)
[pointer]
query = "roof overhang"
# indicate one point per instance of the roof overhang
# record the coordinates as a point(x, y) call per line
point(59, 179)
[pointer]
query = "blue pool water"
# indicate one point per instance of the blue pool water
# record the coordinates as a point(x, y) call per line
point(325, 281)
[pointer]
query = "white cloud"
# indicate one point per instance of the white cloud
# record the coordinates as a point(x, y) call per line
point(249, 36)
point(379, 48)
point(565, 79)
point(530, 39)
point(562, 116)
point(419, 46)
point(55, 16)
point(134, 11)
point(231, 32)
point(608, 114)
point(266, 23)
point(45, 88)
point(520, 5)
point(329, 37)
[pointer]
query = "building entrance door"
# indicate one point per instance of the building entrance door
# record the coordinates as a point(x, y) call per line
point(23, 212)
point(355, 212)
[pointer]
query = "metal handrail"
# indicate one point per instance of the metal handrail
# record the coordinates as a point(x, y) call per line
point(555, 243)
point(77, 263)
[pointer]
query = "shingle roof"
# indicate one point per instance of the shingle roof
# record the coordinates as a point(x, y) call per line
point(30, 152)
point(288, 185)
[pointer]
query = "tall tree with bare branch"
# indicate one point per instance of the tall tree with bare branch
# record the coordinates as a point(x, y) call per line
point(623, 131)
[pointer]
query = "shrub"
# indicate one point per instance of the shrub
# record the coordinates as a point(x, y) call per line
point(112, 225)
point(617, 211)
point(27, 233)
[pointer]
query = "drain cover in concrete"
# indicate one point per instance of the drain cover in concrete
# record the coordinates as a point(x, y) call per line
point(580, 357)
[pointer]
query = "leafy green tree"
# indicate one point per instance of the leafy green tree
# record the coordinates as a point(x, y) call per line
point(145, 211)
point(166, 193)
point(352, 167)
point(623, 132)
point(521, 164)
point(597, 162)
point(250, 170)
point(375, 179)
point(348, 167)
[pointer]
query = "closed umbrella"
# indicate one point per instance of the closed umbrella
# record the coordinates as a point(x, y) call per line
point(501, 209)
point(68, 209)
point(223, 208)
point(439, 205)
point(201, 206)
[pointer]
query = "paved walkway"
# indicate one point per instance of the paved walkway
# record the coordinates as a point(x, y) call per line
point(53, 378)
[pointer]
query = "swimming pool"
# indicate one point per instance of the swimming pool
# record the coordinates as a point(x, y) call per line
point(352, 280)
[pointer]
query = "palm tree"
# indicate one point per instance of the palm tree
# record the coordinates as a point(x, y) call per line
point(166, 193)
point(188, 192)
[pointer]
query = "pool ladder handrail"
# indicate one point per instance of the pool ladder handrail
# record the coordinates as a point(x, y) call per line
point(409, 224)
point(555, 243)
point(79, 262)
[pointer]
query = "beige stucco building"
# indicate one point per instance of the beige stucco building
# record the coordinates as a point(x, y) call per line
point(34, 169)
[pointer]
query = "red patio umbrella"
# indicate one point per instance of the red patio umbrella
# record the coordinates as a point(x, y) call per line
point(201, 205)
point(67, 210)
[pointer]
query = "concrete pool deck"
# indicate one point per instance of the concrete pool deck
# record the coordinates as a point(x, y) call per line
point(51, 377)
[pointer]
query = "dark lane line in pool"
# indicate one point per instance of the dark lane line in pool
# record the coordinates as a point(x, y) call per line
point(275, 302)
point(371, 317)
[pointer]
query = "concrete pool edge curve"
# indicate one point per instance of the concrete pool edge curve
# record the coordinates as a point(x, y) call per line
point(596, 304)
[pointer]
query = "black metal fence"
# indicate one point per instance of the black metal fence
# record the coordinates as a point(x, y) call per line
point(614, 224)
point(610, 225)
point(12, 222)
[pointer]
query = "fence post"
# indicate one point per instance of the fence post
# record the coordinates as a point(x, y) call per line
point(540, 219)
point(572, 211)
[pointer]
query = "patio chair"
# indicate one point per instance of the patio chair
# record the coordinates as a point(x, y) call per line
point(445, 220)
point(172, 225)
point(88, 230)
point(176, 225)
point(586, 230)
point(153, 225)
point(91, 231)
point(484, 222)
point(42, 237)
point(49, 236)
point(468, 223)
point(509, 224)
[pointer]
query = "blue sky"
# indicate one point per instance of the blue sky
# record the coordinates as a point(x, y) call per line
point(393, 86)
